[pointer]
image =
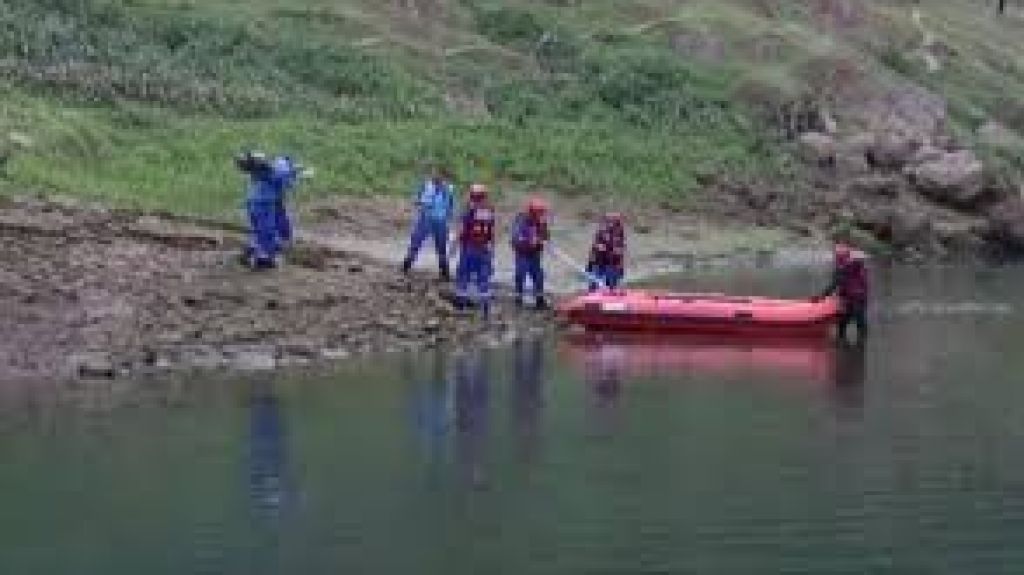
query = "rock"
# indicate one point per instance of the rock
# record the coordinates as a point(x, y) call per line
point(94, 365)
point(961, 236)
point(890, 153)
point(253, 359)
point(334, 354)
point(1006, 226)
point(955, 178)
point(926, 154)
point(875, 185)
point(300, 348)
point(909, 227)
point(432, 326)
point(818, 148)
point(997, 135)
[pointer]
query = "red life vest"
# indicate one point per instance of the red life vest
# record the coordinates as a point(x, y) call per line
point(609, 247)
point(529, 235)
point(478, 225)
point(853, 285)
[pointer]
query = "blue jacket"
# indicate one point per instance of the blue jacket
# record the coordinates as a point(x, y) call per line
point(436, 203)
point(272, 184)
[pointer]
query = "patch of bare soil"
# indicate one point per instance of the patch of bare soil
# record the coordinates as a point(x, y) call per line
point(90, 292)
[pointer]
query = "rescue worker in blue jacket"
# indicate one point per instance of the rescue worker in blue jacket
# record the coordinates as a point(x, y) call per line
point(529, 235)
point(476, 250)
point(435, 203)
point(850, 283)
point(608, 254)
point(269, 226)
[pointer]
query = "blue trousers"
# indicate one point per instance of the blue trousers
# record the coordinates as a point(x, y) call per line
point(528, 266)
point(428, 228)
point(263, 229)
point(475, 268)
point(610, 276)
point(283, 222)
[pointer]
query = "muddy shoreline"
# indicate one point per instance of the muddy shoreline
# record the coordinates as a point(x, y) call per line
point(91, 292)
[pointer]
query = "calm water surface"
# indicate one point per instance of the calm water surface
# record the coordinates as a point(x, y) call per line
point(554, 456)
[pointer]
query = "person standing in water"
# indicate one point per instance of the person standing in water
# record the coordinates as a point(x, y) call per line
point(850, 283)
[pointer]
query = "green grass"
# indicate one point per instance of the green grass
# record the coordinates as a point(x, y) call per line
point(143, 102)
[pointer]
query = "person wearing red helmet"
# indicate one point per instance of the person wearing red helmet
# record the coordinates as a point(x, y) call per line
point(529, 236)
point(850, 283)
point(476, 253)
point(608, 254)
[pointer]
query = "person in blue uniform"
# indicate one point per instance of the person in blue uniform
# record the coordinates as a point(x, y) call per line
point(270, 227)
point(435, 204)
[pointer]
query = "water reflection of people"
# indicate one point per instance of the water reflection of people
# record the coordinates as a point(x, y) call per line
point(472, 398)
point(268, 450)
point(850, 373)
point(432, 410)
point(604, 371)
point(527, 393)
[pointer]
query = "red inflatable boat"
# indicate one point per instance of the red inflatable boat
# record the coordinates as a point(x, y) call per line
point(717, 314)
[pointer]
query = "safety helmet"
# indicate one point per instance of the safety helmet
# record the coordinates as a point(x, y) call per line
point(858, 256)
point(477, 192)
point(536, 206)
point(613, 218)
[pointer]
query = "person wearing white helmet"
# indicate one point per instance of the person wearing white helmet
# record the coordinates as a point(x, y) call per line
point(476, 250)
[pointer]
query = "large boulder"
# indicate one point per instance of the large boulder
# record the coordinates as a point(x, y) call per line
point(1006, 225)
point(889, 152)
point(952, 178)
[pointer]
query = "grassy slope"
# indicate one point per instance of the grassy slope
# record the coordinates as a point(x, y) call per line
point(143, 101)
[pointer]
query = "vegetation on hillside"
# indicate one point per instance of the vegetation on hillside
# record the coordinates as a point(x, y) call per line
point(143, 101)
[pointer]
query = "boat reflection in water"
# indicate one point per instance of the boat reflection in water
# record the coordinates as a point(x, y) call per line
point(607, 359)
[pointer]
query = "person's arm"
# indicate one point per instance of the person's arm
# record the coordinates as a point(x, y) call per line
point(833, 286)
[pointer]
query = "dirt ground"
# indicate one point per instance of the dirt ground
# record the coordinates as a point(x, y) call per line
point(91, 292)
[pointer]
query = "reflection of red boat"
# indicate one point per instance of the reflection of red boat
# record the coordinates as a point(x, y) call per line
point(645, 355)
point(653, 311)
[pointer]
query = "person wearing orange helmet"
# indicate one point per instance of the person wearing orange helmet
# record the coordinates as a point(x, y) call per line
point(476, 253)
point(529, 235)
point(608, 254)
point(850, 283)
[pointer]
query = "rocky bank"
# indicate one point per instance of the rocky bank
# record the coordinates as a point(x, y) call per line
point(98, 293)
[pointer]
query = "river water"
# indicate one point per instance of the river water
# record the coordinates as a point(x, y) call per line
point(560, 455)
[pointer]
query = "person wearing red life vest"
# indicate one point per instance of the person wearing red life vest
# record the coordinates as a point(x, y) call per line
point(529, 236)
point(850, 283)
point(608, 254)
point(476, 250)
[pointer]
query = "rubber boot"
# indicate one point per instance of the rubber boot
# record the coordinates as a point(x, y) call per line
point(542, 304)
point(519, 301)
point(446, 274)
point(406, 266)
